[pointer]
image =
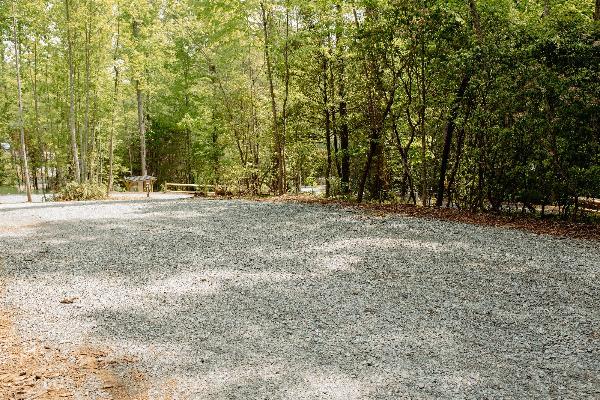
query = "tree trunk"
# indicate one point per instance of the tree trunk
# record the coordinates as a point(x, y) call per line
point(41, 147)
point(378, 118)
point(449, 131)
point(286, 60)
point(86, 120)
point(140, 113)
point(332, 87)
point(597, 12)
point(405, 164)
point(141, 126)
point(343, 107)
point(111, 144)
point(476, 19)
point(451, 122)
point(188, 133)
point(26, 179)
point(423, 109)
point(277, 139)
point(373, 142)
point(455, 167)
point(72, 121)
point(327, 114)
point(377, 115)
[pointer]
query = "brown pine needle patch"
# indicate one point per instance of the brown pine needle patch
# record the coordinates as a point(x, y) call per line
point(31, 370)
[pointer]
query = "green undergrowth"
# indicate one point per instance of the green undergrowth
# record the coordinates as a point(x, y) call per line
point(74, 191)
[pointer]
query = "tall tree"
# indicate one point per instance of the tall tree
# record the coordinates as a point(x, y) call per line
point(20, 108)
point(113, 127)
point(140, 108)
point(343, 105)
point(72, 117)
point(277, 136)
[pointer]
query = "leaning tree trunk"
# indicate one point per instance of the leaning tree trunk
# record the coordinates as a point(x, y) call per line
point(451, 122)
point(449, 132)
point(20, 101)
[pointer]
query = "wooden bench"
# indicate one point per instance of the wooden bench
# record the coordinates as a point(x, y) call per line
point(197, 189)
point(589, 204)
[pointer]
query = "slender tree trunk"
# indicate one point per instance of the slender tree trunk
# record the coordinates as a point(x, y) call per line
point(26, 179)
point(72, 121)
point(327, 115)
point(373, 141)
point(597, 12)
point(51, 125)
point(286, 60)
point(449, 131)
point(343, 107)
point(86, 122)
point(188, 133)
point(141, 126)
point(451, 122)
point(456, 166)
point(140, 112)
point(255, 136)
point(423, 109)
point(278, 144)
point(453, 114)
point(36, 108)
point(111, 144)
point(334, 122)
point(405, 164)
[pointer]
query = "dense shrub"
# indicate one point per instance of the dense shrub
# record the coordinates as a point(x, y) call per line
point(74, 191)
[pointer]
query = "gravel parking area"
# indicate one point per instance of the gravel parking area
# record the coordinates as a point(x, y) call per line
point(252, 300)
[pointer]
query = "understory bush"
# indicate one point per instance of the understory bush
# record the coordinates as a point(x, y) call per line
point(74, 191)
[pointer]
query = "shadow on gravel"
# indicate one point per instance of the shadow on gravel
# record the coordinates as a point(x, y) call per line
point(237, 299)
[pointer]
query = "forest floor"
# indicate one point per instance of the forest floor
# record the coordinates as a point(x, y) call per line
point(233, 299)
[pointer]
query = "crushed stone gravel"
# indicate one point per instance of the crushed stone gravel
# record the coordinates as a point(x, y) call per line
point(250, 300)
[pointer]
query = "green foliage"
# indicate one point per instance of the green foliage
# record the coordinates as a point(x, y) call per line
point(387, 72)
point(74, 191)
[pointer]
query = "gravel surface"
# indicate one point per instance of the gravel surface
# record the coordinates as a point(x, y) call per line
point(249, 300)
point(21, 198)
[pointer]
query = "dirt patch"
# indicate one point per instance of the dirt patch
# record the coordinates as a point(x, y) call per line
point(11, 229)
point(32, 370)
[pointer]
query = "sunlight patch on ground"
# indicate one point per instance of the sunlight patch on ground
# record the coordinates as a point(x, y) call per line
point(331, 386)
point(339, 263)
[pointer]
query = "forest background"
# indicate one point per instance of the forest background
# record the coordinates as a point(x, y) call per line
point(473, 104)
